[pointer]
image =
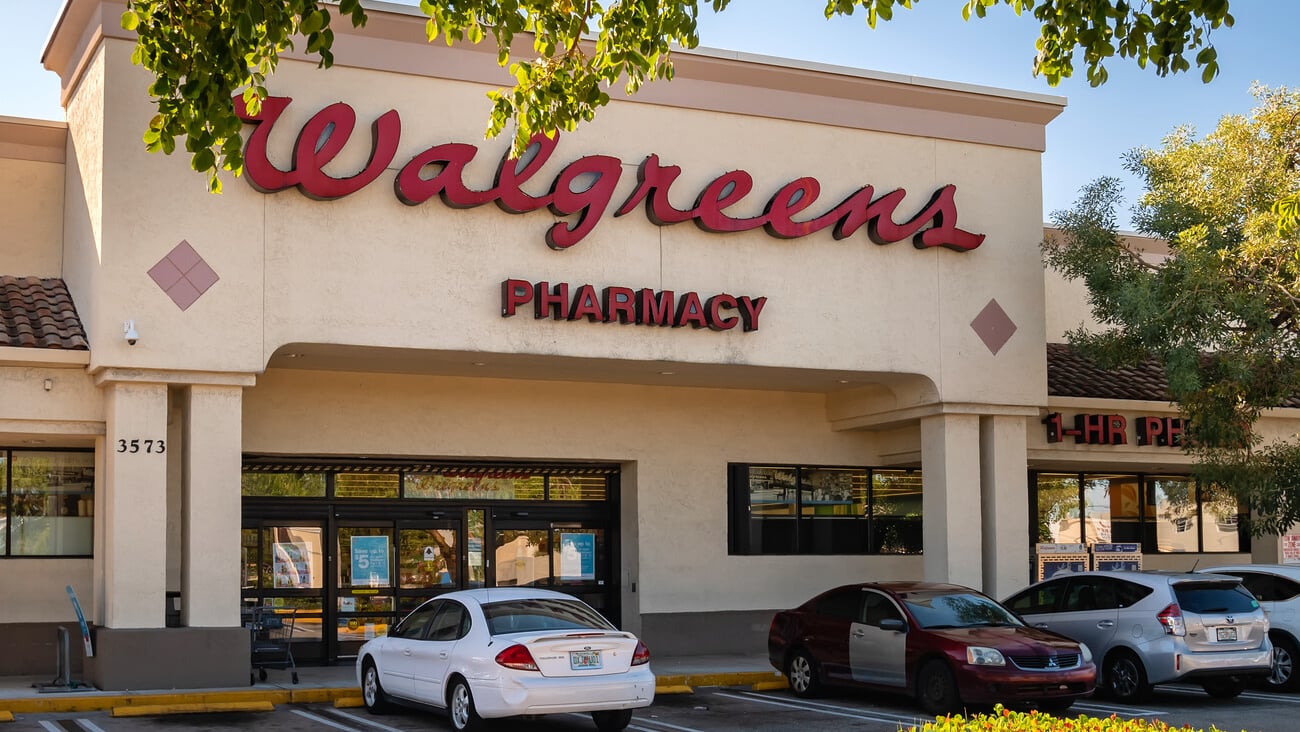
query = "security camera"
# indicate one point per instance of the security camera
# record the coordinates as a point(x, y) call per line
point(128, 332)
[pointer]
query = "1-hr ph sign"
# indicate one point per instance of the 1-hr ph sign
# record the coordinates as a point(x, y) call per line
point(1112, 429)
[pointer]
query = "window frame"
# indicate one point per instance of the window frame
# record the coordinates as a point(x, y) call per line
point(7, 498)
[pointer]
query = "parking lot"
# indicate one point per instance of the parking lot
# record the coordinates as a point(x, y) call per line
point(707, 710)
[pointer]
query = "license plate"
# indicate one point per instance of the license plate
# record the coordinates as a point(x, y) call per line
point(579, 660)
point(1226, 634)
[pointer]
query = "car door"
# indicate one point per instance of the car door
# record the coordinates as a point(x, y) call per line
point(433, 654)
point(827, 629)
point(1089, 612)
point(397, 659)
point(878, 655)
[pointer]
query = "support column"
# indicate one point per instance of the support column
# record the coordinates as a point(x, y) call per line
point(133, 508)
point(1005, 504)
point(211, 506)
point(950, 484)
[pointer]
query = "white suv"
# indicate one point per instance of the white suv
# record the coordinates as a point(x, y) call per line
point(1277, 589)
point(1150, 627)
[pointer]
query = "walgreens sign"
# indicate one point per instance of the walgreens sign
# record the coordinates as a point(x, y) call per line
point(583, 190)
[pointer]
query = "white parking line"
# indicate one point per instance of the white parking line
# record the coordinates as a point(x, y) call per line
point(1121, 711)
point(88, 725)
point(52, 727)
point(1261, 695)
point(828, 709)
point(324, 721)
point(363, 720)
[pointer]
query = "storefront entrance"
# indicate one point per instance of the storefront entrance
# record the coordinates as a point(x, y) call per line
point(353, 565)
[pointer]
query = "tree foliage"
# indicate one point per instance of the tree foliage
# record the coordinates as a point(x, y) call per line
point(204, 52)
point(1221, 313)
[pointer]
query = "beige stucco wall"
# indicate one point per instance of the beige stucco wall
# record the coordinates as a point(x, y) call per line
point(36, 591)
point(680, 441)
point(297, 270)
point(31, 219)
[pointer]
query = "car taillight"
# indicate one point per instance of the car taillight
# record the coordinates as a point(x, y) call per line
point(518, 658)
point(1172, 619)
point(641, 654)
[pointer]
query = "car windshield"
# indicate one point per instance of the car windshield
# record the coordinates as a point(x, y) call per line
point(935, 610)
point(534, 614)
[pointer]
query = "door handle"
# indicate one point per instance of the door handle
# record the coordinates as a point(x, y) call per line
point(1106, 624)
point(442, 654)
point(1041, 625)
point(406, 652)
point(858, 633)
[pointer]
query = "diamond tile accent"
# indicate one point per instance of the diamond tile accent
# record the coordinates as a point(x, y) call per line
point(993, 326)
point(183, 275)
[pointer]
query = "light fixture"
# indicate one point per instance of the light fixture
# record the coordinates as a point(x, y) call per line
point(667, 373)
point(49, 384)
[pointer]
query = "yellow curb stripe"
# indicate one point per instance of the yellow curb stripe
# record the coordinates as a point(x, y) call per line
point(95, 702)
point(154, 710)
point(348, 702)
point(673, 689)
point(771, 685)
point(6, 715)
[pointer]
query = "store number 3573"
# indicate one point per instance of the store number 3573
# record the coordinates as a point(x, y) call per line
point(158, 446)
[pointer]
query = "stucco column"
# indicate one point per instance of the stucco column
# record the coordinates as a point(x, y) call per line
point(211, 506)
point(950, 484)
point(133, 508)
point(1005, 504)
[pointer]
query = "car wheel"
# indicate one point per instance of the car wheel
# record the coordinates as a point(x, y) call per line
point(1282, 677)
point(1125, 678)
point(801, 672)
point(460, 707)
point(936, 689)
point(613, 720)
point(1225, 688)
point(372, 692)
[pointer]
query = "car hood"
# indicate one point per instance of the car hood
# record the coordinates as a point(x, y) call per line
point(1020, 640)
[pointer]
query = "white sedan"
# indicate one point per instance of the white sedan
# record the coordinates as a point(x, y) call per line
point(504, 652)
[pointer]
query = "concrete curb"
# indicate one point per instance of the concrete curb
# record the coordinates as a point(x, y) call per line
point(188, 702)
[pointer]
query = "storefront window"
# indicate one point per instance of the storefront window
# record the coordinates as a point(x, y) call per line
point(523, 558)
point(1162, 513)
point(577, 488)
point(284, 485)
point(4, 503)
point(428, 557)
point(479, 486)
point(367, 485)
point(817, 510)
point(577, 555)
point(50, 503)
point(1058, 509)
point(292, 558)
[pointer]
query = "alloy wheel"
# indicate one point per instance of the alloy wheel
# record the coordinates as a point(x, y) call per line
point(1283, 667)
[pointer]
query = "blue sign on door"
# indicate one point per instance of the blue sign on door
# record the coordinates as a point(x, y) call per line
point(577, 556)
point(370, 561)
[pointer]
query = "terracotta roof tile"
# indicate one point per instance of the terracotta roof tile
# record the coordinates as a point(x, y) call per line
point(38, 312)
point(1071, 374)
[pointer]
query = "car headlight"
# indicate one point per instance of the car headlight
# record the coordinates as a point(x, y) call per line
point(1086, 651)
point(979, 656)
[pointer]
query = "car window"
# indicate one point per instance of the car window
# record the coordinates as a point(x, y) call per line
point(1285, 589)
point(936, 610)
point(1259, 585)
point(413, 625)
point(1214, 598)
point(1082, 596)
point(1041, 598)
point(1128, 594)
point(840, 604)
point(876, 608)
point(450, 624)
point(542, 613)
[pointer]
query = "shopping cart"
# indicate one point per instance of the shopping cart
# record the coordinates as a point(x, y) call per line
point(272, 633)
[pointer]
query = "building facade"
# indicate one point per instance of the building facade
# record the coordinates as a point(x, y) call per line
point(768, 328)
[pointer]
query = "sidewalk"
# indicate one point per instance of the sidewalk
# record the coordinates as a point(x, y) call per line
point(337, 684)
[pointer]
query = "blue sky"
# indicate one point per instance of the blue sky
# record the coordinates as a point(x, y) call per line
point(1134, 108)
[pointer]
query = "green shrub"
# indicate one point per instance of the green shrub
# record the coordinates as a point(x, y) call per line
point(1006, 720)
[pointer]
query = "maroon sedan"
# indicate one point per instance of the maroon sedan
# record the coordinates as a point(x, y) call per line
point(945, 644)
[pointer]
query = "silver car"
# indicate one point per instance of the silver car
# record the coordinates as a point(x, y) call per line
point(1277, 589)
point(1150, 627)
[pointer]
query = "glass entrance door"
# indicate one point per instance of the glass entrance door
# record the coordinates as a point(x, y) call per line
point(568, 556)
point(386, 569)
point(284, 565)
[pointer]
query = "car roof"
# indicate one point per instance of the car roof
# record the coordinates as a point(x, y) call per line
point(1146, 575)
point(1291, 571)
point(484, 595)
point(899, 587)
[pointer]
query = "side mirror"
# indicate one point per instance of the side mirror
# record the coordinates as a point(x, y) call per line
point(894, 624)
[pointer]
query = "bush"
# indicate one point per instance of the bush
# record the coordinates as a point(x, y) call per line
point(1006, 720)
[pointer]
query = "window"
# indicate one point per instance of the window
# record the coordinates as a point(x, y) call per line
point(786, 509)
point(840, 604)
point(1162, 513)
point(451, 624)
point(1041, 599)
point(47, 502)
point(1267, 587)
point(878, 609)
point(414, 625)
